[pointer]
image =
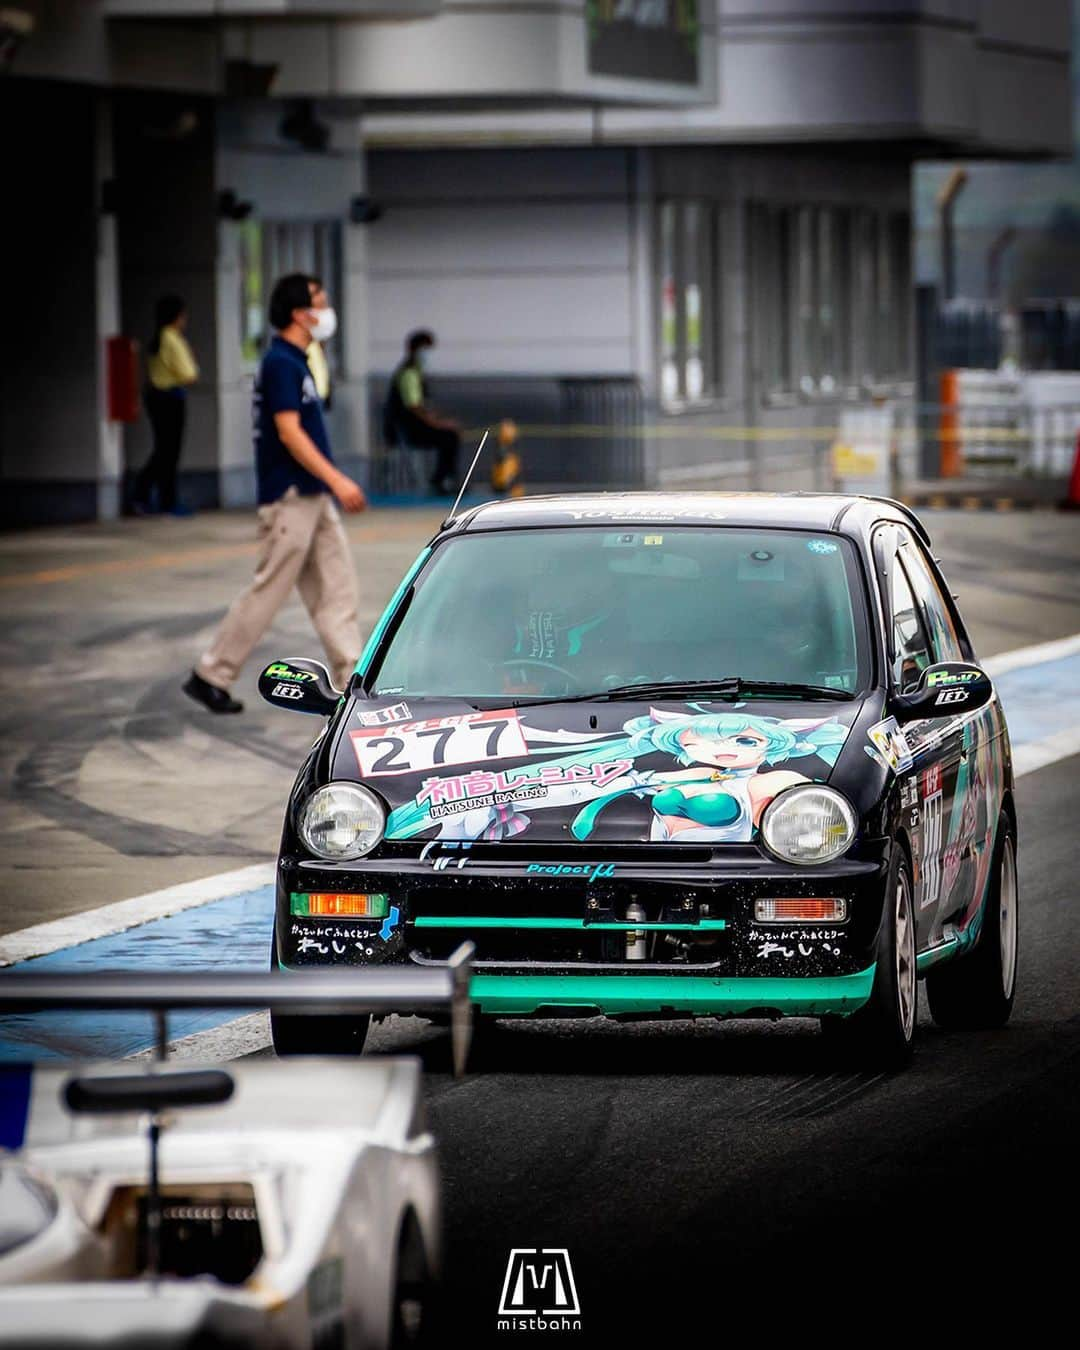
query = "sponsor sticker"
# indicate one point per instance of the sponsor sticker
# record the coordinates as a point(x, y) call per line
point(933, 810)
point(593, 871)
point(891, 744)
point(278, 670)
point(937, 679)
point(381, 717)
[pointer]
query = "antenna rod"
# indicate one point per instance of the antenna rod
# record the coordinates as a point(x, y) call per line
point(465, 480)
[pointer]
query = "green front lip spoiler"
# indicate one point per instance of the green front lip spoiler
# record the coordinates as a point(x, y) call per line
point(786, 996)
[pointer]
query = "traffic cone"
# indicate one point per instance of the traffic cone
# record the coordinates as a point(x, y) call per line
point(1072, 497)
point(506, 466)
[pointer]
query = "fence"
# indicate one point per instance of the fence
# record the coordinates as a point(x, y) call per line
point(576, 432)
point(971, 334)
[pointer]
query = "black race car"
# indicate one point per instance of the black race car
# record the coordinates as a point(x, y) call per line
point(663, 755)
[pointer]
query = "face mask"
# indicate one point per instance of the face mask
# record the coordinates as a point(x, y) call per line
point(421, 360)
point(325, 325)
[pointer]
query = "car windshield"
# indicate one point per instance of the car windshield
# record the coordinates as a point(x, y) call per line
point(550, 612)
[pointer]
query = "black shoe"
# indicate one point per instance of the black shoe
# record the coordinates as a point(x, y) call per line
point(210, 696)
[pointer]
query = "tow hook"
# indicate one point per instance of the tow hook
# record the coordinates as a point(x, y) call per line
point(636, 938)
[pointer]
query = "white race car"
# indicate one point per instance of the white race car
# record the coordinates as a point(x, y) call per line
point(290, 1203)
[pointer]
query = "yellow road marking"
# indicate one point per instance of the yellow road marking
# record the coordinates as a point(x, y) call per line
point(154, 562)
point(694, 431)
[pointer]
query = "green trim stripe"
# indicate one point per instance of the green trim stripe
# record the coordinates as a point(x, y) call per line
point(933, 955)
point(372, 644)
point(792, 996)
point(501, 921)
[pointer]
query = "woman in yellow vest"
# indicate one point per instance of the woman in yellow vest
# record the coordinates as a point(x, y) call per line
point(170, 368)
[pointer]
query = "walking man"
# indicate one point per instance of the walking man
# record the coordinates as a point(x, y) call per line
point(302, 541)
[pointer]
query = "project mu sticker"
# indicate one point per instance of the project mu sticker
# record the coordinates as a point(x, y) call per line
point(413, 747)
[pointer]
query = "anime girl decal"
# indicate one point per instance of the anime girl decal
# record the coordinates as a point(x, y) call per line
point(724, 780)
point(728, 781)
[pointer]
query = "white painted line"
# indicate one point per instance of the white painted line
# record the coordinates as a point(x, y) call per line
point(250, 1035)
point(42, 938)
point(1037, 655)
point(242, 1036)
point(1038, 754)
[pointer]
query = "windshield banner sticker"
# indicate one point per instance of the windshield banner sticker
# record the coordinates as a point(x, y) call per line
point(687, 776)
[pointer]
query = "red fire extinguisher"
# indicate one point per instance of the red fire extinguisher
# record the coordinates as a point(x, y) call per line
point(122, 378)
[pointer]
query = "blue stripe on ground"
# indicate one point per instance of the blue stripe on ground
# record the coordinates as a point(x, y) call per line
point(229, 934)
point(234, 933)
point(1040, 700)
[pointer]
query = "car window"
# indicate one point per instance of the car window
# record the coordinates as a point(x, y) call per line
point(943, 638)
point(545, 612)
point(911, 649)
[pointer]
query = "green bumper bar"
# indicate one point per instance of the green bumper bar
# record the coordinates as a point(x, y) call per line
point(789, 996)
point(499, 921)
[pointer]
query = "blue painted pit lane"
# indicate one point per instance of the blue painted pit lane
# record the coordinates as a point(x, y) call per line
point(1041, 700)
point(233, 933)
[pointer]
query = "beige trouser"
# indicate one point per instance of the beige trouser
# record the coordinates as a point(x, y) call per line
point(301, 543)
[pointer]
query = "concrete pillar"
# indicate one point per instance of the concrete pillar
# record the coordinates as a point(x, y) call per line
point(110, 444)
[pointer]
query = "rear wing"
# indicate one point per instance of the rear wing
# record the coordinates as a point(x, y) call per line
point(378, 990)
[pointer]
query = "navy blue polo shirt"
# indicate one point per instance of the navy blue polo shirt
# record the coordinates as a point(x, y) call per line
point(285, 384)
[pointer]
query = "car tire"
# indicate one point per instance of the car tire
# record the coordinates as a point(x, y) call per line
point(485, 1042)
point(293, 1034)
point(880, 1035)
point(414, 1310)
point(977, 990)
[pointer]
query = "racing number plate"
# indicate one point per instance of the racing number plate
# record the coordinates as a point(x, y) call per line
point(413, 747)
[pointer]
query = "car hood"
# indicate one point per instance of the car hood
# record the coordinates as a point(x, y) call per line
point(633, 772)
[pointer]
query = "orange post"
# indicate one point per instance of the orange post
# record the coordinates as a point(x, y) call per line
point(1072, 499)
point(952, 450)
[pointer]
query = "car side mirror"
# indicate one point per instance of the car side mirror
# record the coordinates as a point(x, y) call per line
point(948, 688)
point(300, 685)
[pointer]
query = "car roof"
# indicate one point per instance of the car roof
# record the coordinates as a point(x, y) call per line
point(825, 511)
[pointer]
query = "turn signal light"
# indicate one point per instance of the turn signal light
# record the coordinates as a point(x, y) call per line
point(796, 910)
point(325, 904)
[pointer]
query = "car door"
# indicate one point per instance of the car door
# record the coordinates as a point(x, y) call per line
point(936, 744)
point(974, 800)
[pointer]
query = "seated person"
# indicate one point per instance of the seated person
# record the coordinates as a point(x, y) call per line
point(411, 423)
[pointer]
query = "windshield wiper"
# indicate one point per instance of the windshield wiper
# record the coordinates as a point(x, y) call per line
point(730, 687)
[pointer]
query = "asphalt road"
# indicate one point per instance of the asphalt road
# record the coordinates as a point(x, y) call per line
point(709, 1177)
point(715, 1181)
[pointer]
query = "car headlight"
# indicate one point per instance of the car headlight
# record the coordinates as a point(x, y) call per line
point(808, 824)
point(341, 821)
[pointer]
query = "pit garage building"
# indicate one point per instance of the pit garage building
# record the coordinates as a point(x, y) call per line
point(646, 229)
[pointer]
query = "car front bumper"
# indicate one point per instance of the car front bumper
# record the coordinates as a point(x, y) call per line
point(553, 936)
